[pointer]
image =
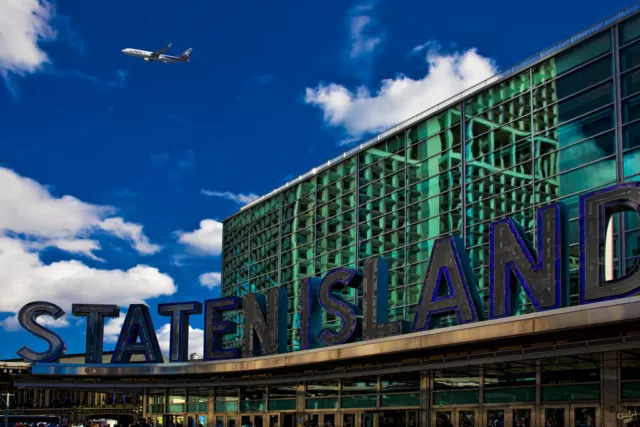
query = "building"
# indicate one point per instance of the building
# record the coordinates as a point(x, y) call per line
point(75, 406)
point(557, 126)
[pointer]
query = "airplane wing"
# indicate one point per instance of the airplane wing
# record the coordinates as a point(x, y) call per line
point(161, 51)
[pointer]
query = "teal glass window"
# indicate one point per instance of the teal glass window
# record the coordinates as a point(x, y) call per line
point(631, 109)
point(510, 395)
point(322, 403)
point(629, 57)
point(631, 83)
point(585, 102)
point(399, 400)
point(630, 30)
point(463, 397)
point(571, 392)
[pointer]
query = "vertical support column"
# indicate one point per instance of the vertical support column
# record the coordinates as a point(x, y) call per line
point(609, 383)
point(211, 408)
point(47, 398)
point(538, 419)
point(617, 93)
point(301, 403)
point(463, 171)
point(532, 123)
point(145, 402)
point(481, 397)
point(425, 398)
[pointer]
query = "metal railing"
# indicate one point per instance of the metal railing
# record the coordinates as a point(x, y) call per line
point(457, 98)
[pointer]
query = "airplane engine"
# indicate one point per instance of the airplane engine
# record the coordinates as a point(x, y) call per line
point(146, 59)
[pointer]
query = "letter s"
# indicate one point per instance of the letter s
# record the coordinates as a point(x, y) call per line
point(27, 318)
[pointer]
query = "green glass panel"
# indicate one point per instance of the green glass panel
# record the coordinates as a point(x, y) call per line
point(437, 123)
point(359, 402)
point(456, 397)
point(479, 127)
point(631, 109)
point(400, 400)
point(585, 102)
point(322, 403)
point(631, 83)
point(632, 161)
point(498, 94)
point(435, 145)
point(500, 395)
point(507, 111)
point(630, 30)
point(629, 57)
point(282, 405)
point(631, 390)
point(574, 131)
point(574, 57)
point(573, 82)
point(631, 135)
point(571, 392)
point(226, 406)
point(175, 407)
point(587, 177)
point(252, 405)
point(576, 155)
point(435, 165)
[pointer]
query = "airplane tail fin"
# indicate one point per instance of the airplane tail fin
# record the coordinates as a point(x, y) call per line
point(187, 53)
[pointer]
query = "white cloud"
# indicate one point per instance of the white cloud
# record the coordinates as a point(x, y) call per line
point(196, 340)
point(210, 280)
point(26, 278)
point(129, 231)
point(11, 323)
point(399, 98)
point(206, 240)
point(112, 328)
point(78, 246)
point(23, 24)
point(28, 208)
point(238, 198)
point(362, 42)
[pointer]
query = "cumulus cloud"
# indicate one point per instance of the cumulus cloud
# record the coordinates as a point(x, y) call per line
point(112, 328)
point(206, 240)
point(26, 278)
point(210, 280)
point(28, 208)
point(78, 246)
point(238, 198)
point(23, 25)
point(131, 232)
point(196, 339)
point(361, 112)
point(11, 324)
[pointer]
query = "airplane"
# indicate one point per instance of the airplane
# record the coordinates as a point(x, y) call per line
point(159, 55)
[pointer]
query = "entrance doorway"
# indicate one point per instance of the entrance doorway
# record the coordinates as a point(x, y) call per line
point(517, 416)
point(458, 417)
point(320, 419)
point(196, 420)
point(226, 421)
point(570, 415)
point(381, 418)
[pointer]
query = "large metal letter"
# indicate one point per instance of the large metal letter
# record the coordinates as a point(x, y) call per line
point(376, 299)
point(95, 314)
point(27, 317)
point(351, 325)
point(595, 210)
point(448, 262)
point(310, 314)
point(265, 336)
point(137, 326)
point(215, 327)
point(512, 264)
point(179, 331)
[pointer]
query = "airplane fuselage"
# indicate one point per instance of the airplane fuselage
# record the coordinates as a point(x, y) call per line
point(148, 56)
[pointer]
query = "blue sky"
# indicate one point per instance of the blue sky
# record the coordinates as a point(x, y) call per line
point(116, 173)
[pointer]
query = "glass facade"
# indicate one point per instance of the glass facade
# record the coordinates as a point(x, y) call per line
point(555, 391)
point(566, 125)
